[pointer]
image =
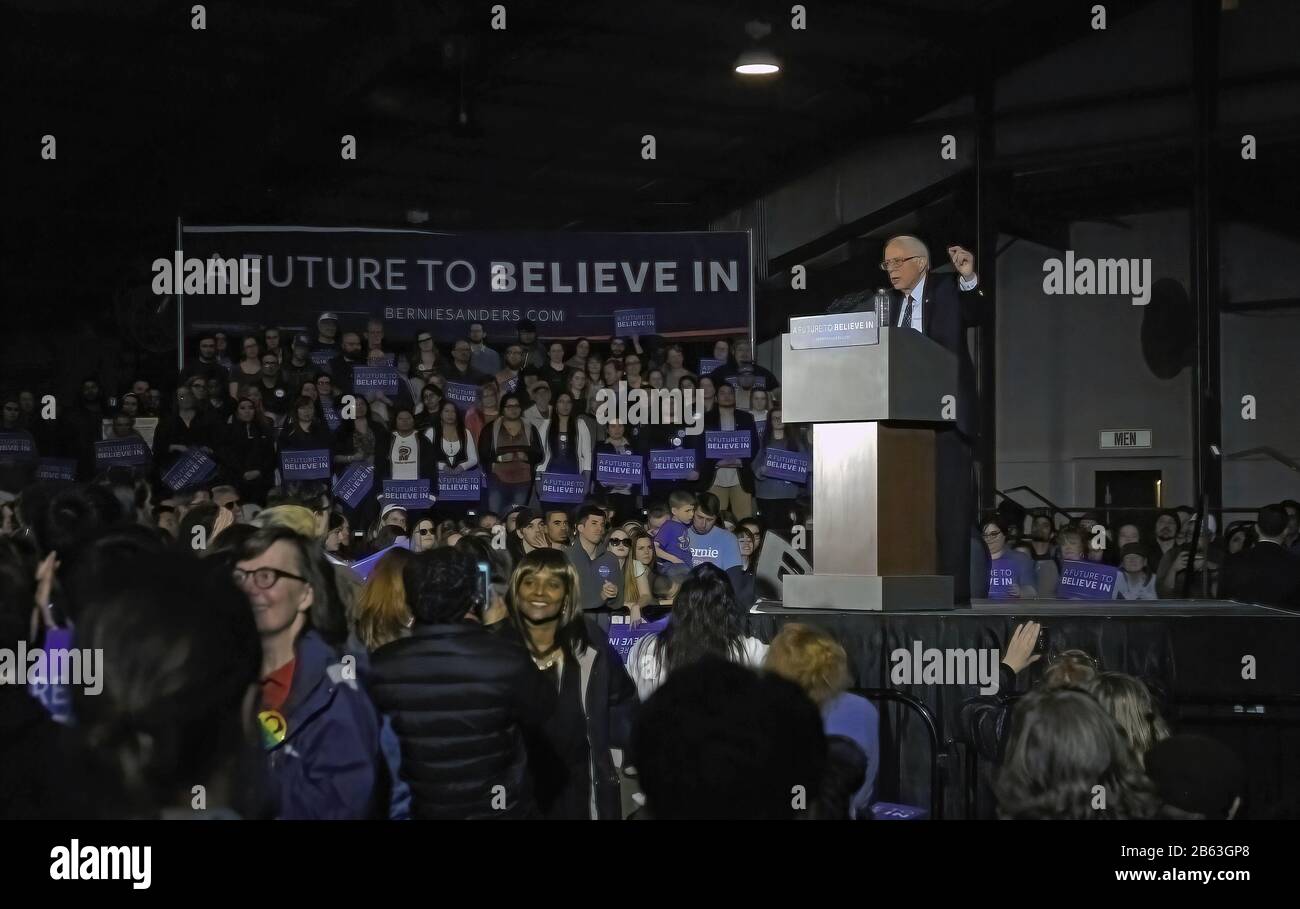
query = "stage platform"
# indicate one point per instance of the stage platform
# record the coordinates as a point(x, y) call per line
point(1195, 654)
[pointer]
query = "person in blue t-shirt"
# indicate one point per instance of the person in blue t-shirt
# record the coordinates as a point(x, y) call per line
point(709, 542)
point(1011, 573)
point(673, 539)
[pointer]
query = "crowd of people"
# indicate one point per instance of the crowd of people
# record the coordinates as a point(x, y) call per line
point(1254, 561)
point(270, 651)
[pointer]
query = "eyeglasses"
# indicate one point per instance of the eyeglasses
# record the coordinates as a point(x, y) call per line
point(424, 531)
point(234, 506)
point(992, 534)
point(619, 541)
point(891, 264)
point(263, 578)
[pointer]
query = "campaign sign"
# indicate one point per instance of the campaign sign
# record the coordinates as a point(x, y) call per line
point(1002, 577)
point(331, 412)
point(381, 380)
point(412, 494)
point(462, 394)
point(460, 487)
point(622, 634)
point(634, 322)
point(56, 469)
point(191, 470)
point(787, 465)
point(353, 485)
point(308, 464)
point(722, 444)
point(120, 452)
point(707, 365)
point(618, 470)
point(17, 447)
point(758, 381)
point(561, 487)
point(672, 464)
point(321, 358)
point(841, 329)
point(1087, 581)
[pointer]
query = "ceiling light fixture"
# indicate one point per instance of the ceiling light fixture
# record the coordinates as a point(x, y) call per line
point(757, 61)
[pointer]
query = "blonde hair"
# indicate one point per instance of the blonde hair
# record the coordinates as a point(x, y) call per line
point(300, 520)
point(381, 613)
point(1069, 669)
point(1129, 702)
point(810, 658)
point(630, 588)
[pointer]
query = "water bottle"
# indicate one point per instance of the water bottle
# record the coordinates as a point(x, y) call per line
point(881, 303)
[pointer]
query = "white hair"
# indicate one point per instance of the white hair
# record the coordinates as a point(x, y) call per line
point(915, 246)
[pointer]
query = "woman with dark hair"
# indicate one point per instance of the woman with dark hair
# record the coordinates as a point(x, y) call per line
point(623, 497)
point(595, 370)
point(633, 370)
point(581, 351)
point(1064, 749)
point(705, 621)
point(555, 371)
point(579, 386)
point(456, 452)
point(249, 368)
point(357, 440)
point(674, 366)
point(338, 538)
point(510, 450)
point(424, 357)
point(567, 446)
point(162, 726)
point(1011, 573)
point(426, 413)
point(774, 495)
point(655, 377)
point(621, 544)
point(570, 758)
point(611, 373)
point(305, 430)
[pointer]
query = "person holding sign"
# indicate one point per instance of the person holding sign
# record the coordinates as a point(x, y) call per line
point(511, 450)
point(776, 495)
point(623, 497)
point(567, 443)
point(178, 433)
point(1011, 573)
point(730, 479)
point(307, 431)
point(456, 452)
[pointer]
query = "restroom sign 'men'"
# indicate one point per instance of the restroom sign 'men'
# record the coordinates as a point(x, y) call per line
point(1126, 438)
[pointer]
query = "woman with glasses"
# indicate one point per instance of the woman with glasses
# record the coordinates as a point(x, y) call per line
point(424, 357)
point(426, 412)
point(1011, 573)
point(424, 536)
point(570, 758)
point(249, 369)
point(511, 450)
point(247, 454)
point(636, 576)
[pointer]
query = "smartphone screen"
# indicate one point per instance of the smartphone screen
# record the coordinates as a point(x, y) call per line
point(484, 587)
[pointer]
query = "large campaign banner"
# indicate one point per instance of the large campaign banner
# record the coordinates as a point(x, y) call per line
point(570, 284)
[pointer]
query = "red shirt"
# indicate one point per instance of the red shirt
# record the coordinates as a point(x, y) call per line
point(275, 687)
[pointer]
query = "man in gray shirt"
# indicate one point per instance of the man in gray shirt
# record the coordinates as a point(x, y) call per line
point(598, 571)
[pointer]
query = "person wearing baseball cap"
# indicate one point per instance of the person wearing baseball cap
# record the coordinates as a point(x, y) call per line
point(1136, 581)
point(327, 332)
point(297, 367)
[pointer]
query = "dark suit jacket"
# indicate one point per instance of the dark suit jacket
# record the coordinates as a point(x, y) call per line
point(946, 313)
point(712, 423)
point(1266, 574)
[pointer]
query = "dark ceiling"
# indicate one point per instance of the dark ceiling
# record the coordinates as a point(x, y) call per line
point(241, 123)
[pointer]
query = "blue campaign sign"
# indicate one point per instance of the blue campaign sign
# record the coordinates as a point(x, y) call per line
point(561, 487)
point(1087, 581)
point(56, 469)
point(634, 322)
point(672, 463)
point(191, 470)
point(618, 470)
point(787, 465)
point(353, 485)
point(708, 364)
point(413, 494)
point(332, 418)
point(1002, 577)
point(121, 452)
point(17, 447)
point(720, 445)
point(843, 329)
point(623, 635)
point(460, 487)
point(462, 394)
point(307, 464)
point(382, 380)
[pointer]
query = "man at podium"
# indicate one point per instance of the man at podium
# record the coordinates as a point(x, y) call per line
point(942, 307)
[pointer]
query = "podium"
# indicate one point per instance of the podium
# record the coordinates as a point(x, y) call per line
point(874, 397)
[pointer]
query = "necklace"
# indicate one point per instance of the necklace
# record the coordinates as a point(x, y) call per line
point(547, 661)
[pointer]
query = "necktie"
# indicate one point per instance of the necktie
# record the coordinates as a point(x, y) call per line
point(907, 313)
